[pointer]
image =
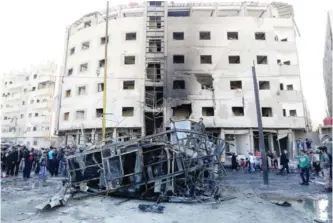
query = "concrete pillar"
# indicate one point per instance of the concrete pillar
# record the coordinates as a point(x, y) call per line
point(242, 11)
point(270, 142)
point(77, 138)
point(251, 141)
point(114, 133)
point(291, 147)
point(222, 134)
point(92, 136)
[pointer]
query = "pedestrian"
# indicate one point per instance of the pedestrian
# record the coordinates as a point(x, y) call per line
point(234, 161)
point(51, 163)
point(29, 159)
point(61, 160)
point(304, 163)
point(326, 166)
point(38, 157)
point(42, 162)
point(250, 162)
point(284, 162)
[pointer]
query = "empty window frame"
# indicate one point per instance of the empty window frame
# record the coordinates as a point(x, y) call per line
point(85, 45)
point(235, 85)
point(128, 85)
point(260, 36)
point(262, 59)
point(155, 46)
point(68, 93)
point(35, 143)
point(100, 87)
point(99, 112)
point(234, 59)
point(290, 87)
point(66, 116)
point(101, 63)
point(178, 59)
point(103, 40)
point(207, 111)
point(232, 35)
point(155, 3)
point(83, 67)
point(292, 113)
point(206, 59)
point(37, 100)
point(179, 84)
point(81, 90)
point(72, 51)
point(70, 72)
point(34, 128)
point(87, 24)
point(284, 112)
point(179, 13)
point(80, 114)
point(287, 62)
point(204, 35)
point(36, 114)
point(264, 85)
point(237, 111)
point(127, 111)
point(178, 35)
point(22, 116)
point(266, 112)
point(31, 101)
point(26, 78)
point(35, 76)
point(130, 36)
point(281, 87)
point(128, 60)
point(155, 22)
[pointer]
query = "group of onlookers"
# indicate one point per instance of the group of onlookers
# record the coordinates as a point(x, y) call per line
point(18, 158)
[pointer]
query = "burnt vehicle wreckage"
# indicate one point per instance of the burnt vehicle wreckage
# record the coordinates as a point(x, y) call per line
point(182, 164)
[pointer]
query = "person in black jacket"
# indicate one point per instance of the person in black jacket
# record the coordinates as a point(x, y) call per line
point(284, 162)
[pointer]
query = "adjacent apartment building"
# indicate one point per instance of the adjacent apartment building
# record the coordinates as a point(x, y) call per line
point(328, 62)
point(184, 60)
point(27, 106)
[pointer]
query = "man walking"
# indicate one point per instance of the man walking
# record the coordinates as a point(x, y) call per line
point(304, 163)
point(284, 162)
point(326, 165)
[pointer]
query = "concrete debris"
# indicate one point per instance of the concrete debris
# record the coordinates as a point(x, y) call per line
point(155, 208)
point(283, 204)
point(182, 164)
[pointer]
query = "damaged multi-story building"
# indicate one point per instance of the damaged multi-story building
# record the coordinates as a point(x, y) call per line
point(184, 61)
point(328, 62)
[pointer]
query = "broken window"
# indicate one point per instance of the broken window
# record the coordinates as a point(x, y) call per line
point(101, 63)
point(238, 111)
point(266, 112)
point(262, 60)
point(68, 93)
point(103, 40)
point(178, 35)
point(72, 51)
point(281, 86)
point(80, 114)
point(292, 113)
point(234, 59)
point(205, 59)
point(284, 112)
point(155, 45)
point(22, 116)
point(235, 85)
point(85, 45)
point(204, 35)
point(178, 59)
point(278, 61)
point(100, 87)
point(99, 112)
point(182, 111)
point(290, 87)
point(179, 84)
point(37, 100)
point(260, 36)
point(264, 85)
point(81, 90)
point(35, 76)
point(130, 36)
point(23, 102)
point(179, 13)
point(286, 62)
point(154, 72)
point(34, 129)
point(66, 116)
point(284, 40)
point(87, 24)
point(127, 111)
point(128, 85)
point(70, 72)
point(232, 35)
point(36, 114)
point(129, 60)
point(84, 67)
point(155, 22)
point(207, 111)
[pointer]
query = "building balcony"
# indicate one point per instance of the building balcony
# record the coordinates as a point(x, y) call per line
point(42, 92)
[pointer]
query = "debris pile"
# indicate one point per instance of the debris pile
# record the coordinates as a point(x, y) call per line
point(182, 164)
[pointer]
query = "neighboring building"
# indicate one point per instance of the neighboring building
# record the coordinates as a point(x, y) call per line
point(184, 60)
point(27, 106)
point(328, 62)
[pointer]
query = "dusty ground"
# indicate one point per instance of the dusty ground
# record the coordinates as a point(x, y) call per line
point(254, 203)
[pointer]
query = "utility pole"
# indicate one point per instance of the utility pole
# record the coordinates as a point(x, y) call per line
point(105, 69)
point(261, 133)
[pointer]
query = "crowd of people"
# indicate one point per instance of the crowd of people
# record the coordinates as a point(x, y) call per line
point(16, 159)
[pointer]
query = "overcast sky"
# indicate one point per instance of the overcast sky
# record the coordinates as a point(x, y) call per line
point(34, 31)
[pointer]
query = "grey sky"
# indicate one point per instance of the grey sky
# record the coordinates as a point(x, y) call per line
point(34, 31)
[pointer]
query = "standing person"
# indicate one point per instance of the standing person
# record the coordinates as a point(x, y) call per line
point(202, 125)
point(56, 162)
point(10, 161)
point(61, 159)
point(42, 162)
point(15, 162)
point(326, 165)
point(51, 163)
point(234, 161)
point(29, 159)
point(38, 157)
point(284, 162)
point(251, 162)
point(304, 163)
